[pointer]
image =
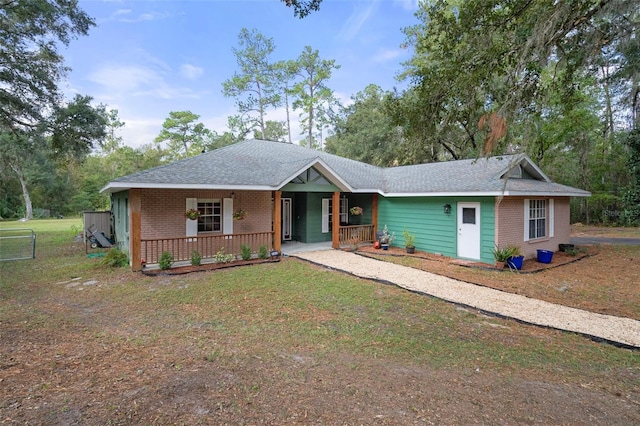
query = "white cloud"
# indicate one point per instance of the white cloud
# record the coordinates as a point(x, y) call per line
point(122, 12)
point(124, 78)
point(143, 17)
point(137, 132)
point(384, 55)
point(357, 19)
point(138, 80)
point(190, 71)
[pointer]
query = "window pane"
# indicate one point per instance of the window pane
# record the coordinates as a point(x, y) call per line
point(211, 216)
point(537, 218)
point(469, 215)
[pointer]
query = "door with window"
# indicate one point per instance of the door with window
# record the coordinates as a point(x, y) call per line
point(469, 230)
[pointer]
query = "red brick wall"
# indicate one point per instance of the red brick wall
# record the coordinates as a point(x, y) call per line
point(510, 225)
point(163, 211)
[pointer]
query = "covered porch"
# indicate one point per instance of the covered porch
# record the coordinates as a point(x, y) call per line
point(339, 233)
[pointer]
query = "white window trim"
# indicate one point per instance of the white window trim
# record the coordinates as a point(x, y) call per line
point(549, 218)
point(325, 215)
point(213, 200)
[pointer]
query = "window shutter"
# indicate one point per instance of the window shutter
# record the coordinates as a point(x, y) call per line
point(526, 219)
point(325, 215)
point(551, 219)
point(227, 216)
point(191, 227)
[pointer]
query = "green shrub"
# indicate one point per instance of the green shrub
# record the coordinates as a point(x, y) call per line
point(196, 258)
point(245, 252)
point(263, 252)
point(115, 258)
point(409, 239)
point(504, 253)
point(166, 260)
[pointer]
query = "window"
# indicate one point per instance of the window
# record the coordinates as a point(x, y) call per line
point(537, 219)
point(469, 215)
point(327, 213)
point(210, 219)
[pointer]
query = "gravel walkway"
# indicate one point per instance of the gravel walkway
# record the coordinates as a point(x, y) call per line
point(618, 330)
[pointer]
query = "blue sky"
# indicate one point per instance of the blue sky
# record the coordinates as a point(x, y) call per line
point(147, 58)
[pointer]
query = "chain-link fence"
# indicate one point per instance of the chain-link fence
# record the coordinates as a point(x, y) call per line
point(17, 244)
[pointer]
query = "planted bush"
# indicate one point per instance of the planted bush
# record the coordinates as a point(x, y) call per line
point(222, 257)
point(263, 252)
point(166, 260)
point(501, 254)
point(196, 258)
point(245, 252)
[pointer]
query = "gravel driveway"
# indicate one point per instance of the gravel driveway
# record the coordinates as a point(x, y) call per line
point(618, 330)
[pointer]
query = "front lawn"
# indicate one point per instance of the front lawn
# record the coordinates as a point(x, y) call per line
point(281, 343)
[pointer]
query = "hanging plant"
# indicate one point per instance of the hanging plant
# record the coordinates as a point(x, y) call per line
point(192, 214)
point(239, 214)
point(355, 211)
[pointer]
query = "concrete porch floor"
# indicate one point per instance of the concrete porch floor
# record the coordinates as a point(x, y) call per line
point(293, 247)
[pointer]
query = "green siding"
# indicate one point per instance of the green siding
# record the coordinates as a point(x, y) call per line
point(313, 226)
point(435, 231)
point(364, 201)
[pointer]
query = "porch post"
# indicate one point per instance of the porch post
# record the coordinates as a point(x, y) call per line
point(335, 222)
point(374, 214)
point(277, 220)
point(135, 235)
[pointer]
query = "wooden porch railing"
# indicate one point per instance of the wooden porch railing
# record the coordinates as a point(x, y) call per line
point(361, 233)
point(207, 245)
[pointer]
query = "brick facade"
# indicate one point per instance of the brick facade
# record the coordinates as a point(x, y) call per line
point(162, 211)
point(510, 215)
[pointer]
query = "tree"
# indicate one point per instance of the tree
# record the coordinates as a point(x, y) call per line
point(256, 78)
point(69, 134)
point(364, 131)
point(30, 65)
point(311, 92)
point(285, 73)
point(482, 61)
point(185, 136)
point(274, 131)
point(112, 141)
point(302, 8)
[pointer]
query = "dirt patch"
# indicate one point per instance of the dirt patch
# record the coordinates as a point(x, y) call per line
point(123, 348)
point(581, 230)
point(602, 279)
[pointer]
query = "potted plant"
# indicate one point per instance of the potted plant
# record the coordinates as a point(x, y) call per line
point(192, 214)
point(510, 256)
point(409, 241)
point(355, 211)
point(353, 242)
point(239, 214)
point(386, 238)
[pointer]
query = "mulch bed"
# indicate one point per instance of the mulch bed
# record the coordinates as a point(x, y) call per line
point(179, 270)
point(528, 266)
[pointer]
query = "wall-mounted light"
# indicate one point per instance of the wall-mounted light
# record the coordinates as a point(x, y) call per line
point(447, 208)
point(233, 194)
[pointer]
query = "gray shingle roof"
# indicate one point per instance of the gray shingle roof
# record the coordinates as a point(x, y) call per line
point(258, 164)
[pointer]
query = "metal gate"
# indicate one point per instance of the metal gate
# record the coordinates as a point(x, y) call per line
point(17, 244)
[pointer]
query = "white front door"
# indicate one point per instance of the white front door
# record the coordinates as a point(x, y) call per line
point(469, 230)
point(286, 219)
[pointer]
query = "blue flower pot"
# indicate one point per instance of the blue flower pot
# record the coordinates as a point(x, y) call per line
point(515, 262)
point(545, 256)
